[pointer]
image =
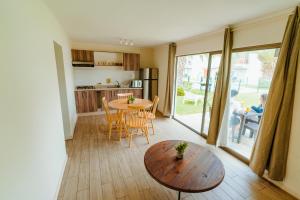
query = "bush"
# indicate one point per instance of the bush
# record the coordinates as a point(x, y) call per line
point(180, 91)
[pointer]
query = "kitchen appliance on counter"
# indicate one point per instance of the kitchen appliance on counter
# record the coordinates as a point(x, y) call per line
point(136, 83)
point(149, 78)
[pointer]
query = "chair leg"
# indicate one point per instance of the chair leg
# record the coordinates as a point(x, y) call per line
point(130, 139)
point(152, 126)
point(109, 130)
point(120, 131)
point(146, 133)
point(126, 131)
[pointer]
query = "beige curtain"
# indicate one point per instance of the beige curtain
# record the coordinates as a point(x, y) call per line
point(271, 148)
point(221, 91)
point(170, 79)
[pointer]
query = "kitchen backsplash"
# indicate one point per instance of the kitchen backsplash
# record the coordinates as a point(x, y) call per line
point(94, 76)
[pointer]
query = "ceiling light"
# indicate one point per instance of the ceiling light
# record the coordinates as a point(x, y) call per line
point(126, 42)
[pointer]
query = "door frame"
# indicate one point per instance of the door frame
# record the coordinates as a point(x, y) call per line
point(210, 54)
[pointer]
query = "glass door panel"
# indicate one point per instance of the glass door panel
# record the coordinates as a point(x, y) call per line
point(191, 76)
point(251, 76)
point(213, 75)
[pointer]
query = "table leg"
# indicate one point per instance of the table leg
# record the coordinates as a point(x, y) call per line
point(243, 120)
point(179, 195)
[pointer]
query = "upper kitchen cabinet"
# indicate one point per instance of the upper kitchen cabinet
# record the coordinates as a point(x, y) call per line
point(82, 58)
point(131, 61)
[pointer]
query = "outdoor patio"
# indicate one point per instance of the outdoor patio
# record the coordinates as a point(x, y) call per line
point(244, 147)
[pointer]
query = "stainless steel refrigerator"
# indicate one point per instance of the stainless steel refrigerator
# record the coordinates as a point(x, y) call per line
point(149, 76)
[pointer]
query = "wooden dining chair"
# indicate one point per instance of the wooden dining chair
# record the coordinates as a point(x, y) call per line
point(134, 121)
point(124, 95)
point(113, 119)
point(151, 113)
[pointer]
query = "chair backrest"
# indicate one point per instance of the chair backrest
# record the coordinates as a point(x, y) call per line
point(155, 103)
point(124, 95)
point(106, 108)
point(140, 110)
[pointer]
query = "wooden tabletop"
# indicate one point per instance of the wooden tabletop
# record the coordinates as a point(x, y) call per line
point(199, 170)
point(121, 104)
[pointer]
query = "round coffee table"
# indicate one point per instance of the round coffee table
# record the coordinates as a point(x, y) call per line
point(199, 170)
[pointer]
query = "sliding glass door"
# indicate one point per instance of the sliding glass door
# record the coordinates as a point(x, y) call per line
point(251, 75)
point(211, 85)
point(195, 83)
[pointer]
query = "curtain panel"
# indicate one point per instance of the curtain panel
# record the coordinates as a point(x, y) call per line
point(170, 80)
point(221, 91)
point(271, 148)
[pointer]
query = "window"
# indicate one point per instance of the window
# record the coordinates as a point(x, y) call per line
point(251, 76)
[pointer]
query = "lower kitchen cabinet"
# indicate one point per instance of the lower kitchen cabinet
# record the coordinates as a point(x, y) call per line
point(86, 101)
point(138, 93)
point(91, 100)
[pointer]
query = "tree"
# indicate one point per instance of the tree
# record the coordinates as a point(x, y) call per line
point(268, 60)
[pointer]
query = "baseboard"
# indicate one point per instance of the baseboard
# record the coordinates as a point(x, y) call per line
point(282, 186)
point(61, 177)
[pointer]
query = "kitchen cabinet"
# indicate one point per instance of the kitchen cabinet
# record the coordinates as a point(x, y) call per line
point(131, 61)
point(82, 58)
point(138, 93)
point(86, 101)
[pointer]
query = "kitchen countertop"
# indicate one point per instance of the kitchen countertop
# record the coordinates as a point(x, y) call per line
point(101, 89)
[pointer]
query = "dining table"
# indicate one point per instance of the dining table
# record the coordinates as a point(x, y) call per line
point(122, 105)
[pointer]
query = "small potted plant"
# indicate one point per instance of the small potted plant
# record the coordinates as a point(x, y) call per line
point(131, 99)
point(180, 148)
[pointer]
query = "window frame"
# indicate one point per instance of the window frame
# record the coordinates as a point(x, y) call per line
point(210, 54)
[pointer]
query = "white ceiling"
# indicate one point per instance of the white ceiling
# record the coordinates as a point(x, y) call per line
point(153, 22)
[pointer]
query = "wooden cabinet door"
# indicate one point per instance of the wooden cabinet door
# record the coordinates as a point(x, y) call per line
point(80, 101)
point(91, 101)
point(86, 101)
point(131, 61)
point(82, 55)
point(90, 56)
point(137, 93)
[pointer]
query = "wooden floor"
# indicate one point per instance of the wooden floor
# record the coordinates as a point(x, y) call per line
point(99, 169)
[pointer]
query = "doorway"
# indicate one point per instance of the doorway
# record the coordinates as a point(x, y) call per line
point(62, 87)
point(195, 83)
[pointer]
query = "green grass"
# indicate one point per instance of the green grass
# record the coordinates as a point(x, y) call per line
point(246, 99)
point(187, 107)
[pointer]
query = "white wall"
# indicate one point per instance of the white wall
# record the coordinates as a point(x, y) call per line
point(91, 76)
point(264, 30)
point(32, 148)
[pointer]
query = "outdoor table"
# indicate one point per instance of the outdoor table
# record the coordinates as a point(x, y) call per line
point(244, 116)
